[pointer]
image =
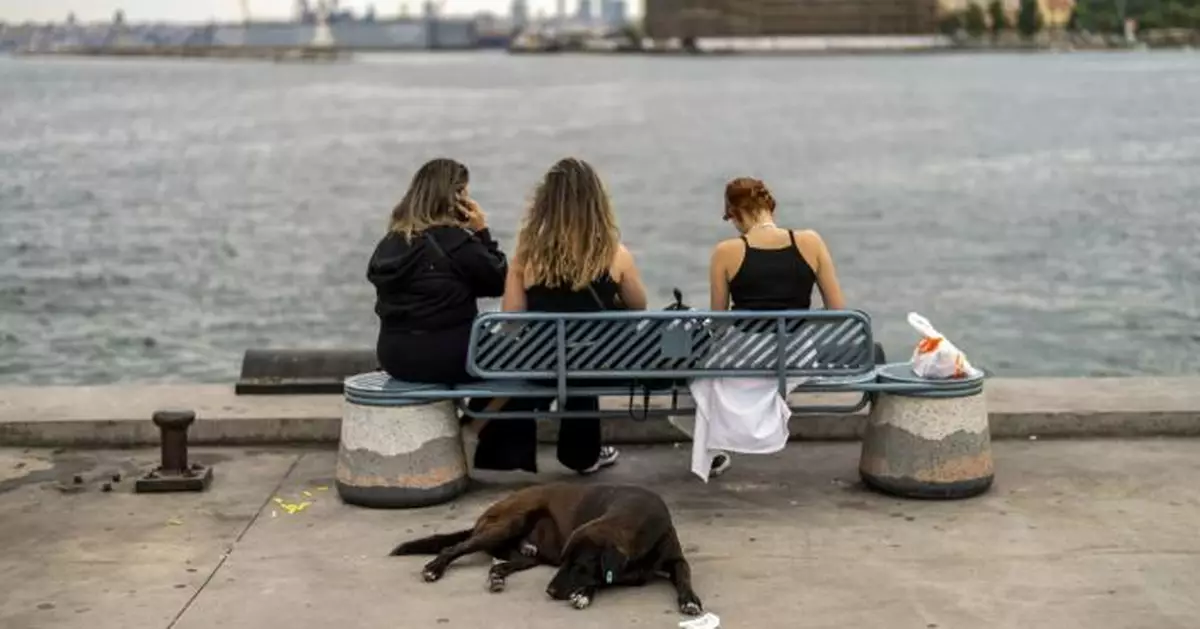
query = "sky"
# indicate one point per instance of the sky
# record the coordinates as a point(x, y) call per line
point(204, 10)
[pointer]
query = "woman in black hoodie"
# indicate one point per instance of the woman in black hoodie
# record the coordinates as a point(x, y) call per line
point(436, 260)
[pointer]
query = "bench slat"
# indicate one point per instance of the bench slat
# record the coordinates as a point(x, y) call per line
point(671, 344)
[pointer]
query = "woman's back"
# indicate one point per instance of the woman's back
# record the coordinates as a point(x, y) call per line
point(772, 278)
point(602, 294)
point(766, 267)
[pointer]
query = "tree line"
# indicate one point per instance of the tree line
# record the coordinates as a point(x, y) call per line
point(1100, 16)
point(1096, 16)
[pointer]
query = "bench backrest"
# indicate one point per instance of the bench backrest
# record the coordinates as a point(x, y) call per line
point(671, 344)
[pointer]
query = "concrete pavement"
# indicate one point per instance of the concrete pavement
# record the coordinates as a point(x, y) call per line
point(1075, 534)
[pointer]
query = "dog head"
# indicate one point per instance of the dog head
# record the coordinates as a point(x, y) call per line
point(586, 565)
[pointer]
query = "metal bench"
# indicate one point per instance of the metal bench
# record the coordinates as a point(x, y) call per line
point(390, 433)
point(653, 353)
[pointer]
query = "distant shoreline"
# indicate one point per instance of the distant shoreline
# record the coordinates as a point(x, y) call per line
point(342, 54)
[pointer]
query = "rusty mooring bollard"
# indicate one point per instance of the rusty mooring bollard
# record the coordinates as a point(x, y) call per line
point(175, 473)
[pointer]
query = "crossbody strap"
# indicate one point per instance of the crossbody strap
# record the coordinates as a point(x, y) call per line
point(596, 297)
point(440, 252)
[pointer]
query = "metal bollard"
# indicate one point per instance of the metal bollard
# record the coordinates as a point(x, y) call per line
point(175, 473)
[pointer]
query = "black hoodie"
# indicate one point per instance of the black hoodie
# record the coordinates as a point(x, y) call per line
point(421, 288)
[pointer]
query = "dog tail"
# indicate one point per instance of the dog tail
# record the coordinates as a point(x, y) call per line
point(431, 545)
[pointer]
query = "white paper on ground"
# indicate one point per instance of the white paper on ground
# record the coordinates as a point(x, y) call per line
point(707, 621)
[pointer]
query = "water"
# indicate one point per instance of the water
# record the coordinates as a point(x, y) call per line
point(157, 218)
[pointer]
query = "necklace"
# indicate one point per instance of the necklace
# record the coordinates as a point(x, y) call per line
point(763, 224)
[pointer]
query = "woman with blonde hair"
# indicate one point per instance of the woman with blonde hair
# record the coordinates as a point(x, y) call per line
point(570, 258)
point(435, 261)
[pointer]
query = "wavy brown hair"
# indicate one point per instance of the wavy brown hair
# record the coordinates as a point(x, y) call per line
point(432, 198)
point(569, 235)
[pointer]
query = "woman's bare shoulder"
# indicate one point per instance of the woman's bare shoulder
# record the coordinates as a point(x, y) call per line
point(808, 235)
point(727, 246)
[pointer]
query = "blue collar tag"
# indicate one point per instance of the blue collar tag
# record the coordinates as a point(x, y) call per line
point(608, 577)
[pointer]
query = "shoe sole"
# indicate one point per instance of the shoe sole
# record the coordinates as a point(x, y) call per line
point(601, 465)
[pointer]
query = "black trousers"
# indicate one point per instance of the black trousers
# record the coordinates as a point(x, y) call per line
point(511, 444)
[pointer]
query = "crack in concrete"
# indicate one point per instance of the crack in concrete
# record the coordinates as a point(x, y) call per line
point(229, 551)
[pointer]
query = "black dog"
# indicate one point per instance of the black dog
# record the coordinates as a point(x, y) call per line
point(597, 536)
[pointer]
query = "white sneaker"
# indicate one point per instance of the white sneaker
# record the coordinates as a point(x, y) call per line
point(608, 458)
point(720, 464)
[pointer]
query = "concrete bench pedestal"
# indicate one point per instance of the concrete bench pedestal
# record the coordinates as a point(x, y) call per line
point(928, 446)
point(400, 456)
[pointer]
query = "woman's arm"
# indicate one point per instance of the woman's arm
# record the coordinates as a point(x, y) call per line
point(718, 278)
point(827, 281)
point(514, 289)
point(629, 282)
point(484, 264)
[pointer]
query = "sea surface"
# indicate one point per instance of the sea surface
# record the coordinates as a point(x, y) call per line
point(159, 217)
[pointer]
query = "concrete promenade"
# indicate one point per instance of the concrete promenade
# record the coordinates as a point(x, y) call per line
point(1076, 534)
point(119, 415)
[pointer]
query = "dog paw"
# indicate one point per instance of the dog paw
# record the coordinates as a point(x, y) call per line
point(433, 571)
point(496, 583)
point(691, 608)
point(529, 550)
point(579, 600)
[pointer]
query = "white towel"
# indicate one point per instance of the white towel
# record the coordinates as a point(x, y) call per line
point(744, 415)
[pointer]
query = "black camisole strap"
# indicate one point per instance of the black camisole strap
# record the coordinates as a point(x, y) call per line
point(745, 242)
point(796, 248)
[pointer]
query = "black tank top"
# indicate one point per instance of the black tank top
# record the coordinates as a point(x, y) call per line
point(773, 279)
point(602, 296)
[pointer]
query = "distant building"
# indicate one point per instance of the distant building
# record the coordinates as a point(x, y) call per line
point(519, 13)
point(667, 19)
point(613, 13)
point(583, 12)
point(301, 12)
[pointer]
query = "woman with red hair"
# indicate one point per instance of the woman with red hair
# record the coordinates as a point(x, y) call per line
point(766, 267)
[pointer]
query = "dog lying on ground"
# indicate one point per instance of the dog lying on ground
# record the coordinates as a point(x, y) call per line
point(596, 535)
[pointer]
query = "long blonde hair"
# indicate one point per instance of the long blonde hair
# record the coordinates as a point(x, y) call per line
point(432, 198)
point(569, 235)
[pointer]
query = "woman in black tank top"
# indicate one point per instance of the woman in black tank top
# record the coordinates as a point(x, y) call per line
point(767, 267)
point(569, 259)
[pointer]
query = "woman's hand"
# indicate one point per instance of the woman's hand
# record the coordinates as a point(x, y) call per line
point(475, 216)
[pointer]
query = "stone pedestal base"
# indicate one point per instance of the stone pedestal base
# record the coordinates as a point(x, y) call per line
point(926, 447)
point(393, 457)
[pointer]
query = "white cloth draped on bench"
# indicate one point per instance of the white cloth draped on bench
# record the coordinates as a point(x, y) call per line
point(743, 415)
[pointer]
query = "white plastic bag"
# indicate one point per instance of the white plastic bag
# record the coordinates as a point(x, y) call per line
point(935, 357)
